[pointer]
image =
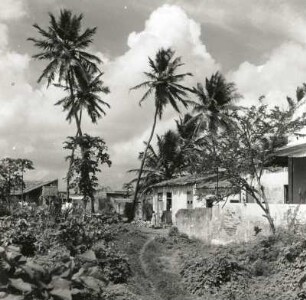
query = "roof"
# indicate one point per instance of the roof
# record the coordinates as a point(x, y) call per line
point(117, 193)
point(294, 150)
point(186, 180)
point(33, 185)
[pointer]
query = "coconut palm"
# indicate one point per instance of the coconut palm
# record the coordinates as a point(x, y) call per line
point(214, 101)
point(163, 163)
point(86, 97)
point(212, 109)
point(64, 46)
point(164, 85)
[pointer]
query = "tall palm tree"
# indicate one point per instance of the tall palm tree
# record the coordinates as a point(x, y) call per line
point(163, 83)
point(63, 44)
point(214, 102)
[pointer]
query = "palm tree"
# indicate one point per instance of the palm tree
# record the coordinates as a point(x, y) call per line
point(188, 132)
point(64, 45)
point(86, 97)
point(163, 82)
point(215, 101)
point(163, 163)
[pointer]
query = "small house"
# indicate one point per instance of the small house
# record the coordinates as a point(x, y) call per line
point(189, 192)
point(35, 191)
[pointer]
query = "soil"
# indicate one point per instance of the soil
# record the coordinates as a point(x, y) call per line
point(154, 264)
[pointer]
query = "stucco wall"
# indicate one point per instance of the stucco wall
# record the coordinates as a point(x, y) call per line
point(179, 199)
point(234, 222)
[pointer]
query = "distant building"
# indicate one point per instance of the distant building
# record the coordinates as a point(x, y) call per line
point(36, 191)
point(119, 199)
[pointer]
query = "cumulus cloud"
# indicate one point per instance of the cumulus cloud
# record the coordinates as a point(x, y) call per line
point(277, 78)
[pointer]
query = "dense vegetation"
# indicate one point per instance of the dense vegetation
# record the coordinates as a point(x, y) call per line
point(43, 256)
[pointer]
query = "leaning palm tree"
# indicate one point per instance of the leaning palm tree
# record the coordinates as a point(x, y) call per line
point(163, 83)
point(63, 44)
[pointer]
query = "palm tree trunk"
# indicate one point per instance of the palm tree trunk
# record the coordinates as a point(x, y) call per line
point(79, 133)
point(142, 163)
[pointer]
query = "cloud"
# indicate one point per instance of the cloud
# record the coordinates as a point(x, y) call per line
point(277, 78)
point(11, 9)
point(279, 17)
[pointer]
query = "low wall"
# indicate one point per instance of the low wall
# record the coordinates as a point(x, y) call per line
point(235, 222)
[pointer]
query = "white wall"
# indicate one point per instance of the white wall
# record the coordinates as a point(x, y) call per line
point(236, 222)
point(274, 185)
point(179, 199)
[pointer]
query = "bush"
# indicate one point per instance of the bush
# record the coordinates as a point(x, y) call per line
point(211, 274)
point(114, 265)
point(173, 231)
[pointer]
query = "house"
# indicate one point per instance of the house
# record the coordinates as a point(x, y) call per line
point(35, 191)
point(296, 153)
point(191, 192)
point(188, 192)
point(119, 200)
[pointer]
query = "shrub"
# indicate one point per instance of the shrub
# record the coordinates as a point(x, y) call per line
point(210, 274)
point(173, 231)
point(114, 265)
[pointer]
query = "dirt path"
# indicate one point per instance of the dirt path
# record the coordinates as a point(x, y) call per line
point(161, 267)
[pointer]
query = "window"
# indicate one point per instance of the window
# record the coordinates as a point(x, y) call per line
point(189, 200)
point(160, 197)
point(169, 201)
point(286, 193)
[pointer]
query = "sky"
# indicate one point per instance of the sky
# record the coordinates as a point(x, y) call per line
point(259, 45)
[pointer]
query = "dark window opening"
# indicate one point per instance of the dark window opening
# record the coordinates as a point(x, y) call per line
point(169, 201)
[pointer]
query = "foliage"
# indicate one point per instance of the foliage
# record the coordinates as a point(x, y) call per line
point(23, 279)
point(80, 235)
point(270, 268)
point(115, 266)
point(86, 166)
point(208, 275)
point(245, 150)
point(11, 176)
point(166, 162)
point(214, 101)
